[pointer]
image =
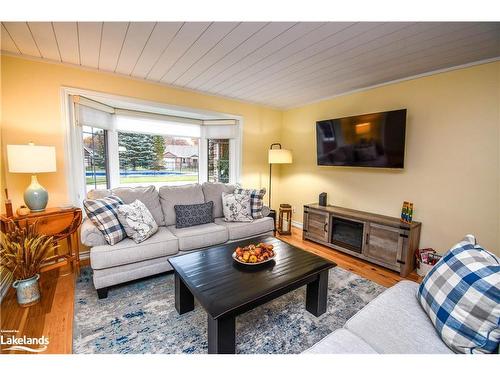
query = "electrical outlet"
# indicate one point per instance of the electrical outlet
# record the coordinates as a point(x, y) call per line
point(293, 209)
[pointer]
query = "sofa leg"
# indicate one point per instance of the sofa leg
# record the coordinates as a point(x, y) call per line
point(102, 293)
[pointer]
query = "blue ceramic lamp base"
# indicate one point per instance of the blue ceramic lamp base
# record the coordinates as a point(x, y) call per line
point(35, 196)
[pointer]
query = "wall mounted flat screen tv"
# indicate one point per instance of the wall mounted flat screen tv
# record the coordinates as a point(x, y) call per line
point(375, 140)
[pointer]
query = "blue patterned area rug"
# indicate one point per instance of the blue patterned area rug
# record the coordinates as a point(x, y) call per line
point(140, 317)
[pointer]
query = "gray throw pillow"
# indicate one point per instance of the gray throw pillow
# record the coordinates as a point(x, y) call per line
point(137, 221)
point(189, 215)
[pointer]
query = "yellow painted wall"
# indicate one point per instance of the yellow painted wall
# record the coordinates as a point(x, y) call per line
point(31, 110)
point(452, 156)
point(453, 138)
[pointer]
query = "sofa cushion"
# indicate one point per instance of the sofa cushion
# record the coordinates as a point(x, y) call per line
point(461, 295)
point(200, 236)
point(90, 235)
point(98, 193)
point(213, 192)
point(102, 212)
point(147, 195)
point(395, 323)
point(188, 215)
point(341, 341)
point(162, 243)
point(120, 274)
point(239, 230)
point(172, 195)
point(137, 221)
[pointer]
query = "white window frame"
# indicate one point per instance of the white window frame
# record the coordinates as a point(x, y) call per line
point(74, 161)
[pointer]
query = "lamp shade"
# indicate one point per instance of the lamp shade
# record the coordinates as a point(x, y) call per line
point(31, 159)
point(280, 156)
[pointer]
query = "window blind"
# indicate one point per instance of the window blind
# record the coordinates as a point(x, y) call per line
point(93, 114)
point(151, 125)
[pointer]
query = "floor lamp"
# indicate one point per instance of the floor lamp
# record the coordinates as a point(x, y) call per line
point(277, 155)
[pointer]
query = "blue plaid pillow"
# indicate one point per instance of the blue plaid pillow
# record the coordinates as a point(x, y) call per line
point(103, 214)
point(256, 200)
point(461, 295)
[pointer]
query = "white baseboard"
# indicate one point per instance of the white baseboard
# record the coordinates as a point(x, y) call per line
point(297, 224)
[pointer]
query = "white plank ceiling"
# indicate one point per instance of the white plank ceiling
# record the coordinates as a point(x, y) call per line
point(280, 64)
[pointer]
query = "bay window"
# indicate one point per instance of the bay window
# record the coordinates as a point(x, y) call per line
point(114, 147)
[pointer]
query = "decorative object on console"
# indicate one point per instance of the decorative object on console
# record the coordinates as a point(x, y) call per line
point(103, 213)
point(407, 212)
point(8, 205)
point(22, 211)
point(137, 221)
point(285, 219)
point(236, 207)
point(461, 296)
point(256, 200)
point(277, 156)
point(23, 251)
point(380, 239)
point(32, 159)
point(189, 215)
point(323, 199)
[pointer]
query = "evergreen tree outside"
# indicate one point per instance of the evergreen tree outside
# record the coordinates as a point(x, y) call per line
point(138, 152)
point(159, 149)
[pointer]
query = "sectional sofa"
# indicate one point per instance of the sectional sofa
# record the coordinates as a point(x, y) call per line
point(127, 260)
point(393, 323)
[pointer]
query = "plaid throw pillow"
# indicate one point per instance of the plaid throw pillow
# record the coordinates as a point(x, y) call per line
point(103, 213)
point(461, 295)
point(256, 200)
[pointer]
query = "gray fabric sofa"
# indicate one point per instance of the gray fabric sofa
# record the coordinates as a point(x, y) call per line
point(126, 260)
point(393, 323)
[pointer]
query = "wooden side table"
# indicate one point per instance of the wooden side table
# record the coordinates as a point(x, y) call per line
point(62, 223)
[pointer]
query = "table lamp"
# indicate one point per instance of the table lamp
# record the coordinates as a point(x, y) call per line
point(277, 155)
point(32, 159)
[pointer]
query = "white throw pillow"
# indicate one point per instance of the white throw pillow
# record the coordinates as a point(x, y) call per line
point(137, 221)
point(236, 207)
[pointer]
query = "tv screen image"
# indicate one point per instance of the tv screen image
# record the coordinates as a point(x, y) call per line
point(374, 140)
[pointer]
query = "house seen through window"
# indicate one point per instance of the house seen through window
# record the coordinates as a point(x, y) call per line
point(218, 160)
point(95, 158)
point(157, 159)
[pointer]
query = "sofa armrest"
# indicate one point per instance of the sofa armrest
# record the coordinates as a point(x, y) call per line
point(90, 235)
point(265, 211)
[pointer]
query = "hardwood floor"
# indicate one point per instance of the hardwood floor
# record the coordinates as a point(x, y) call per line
point(53, 316)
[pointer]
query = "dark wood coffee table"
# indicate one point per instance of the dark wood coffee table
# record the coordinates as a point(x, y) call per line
point(226, 288)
